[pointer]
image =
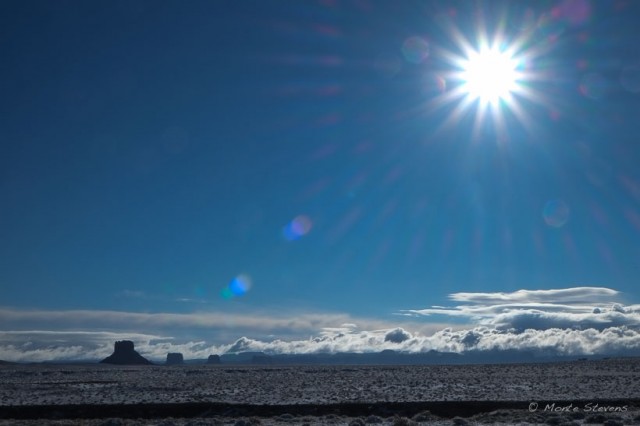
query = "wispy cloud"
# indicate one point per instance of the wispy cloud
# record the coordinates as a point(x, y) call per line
point(570, 308)
point(289, 324)
point(563, 295)
point(132, 294)
point(137, 294)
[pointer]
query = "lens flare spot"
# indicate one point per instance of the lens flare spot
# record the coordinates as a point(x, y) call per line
point(434, 84)
point(297, 228)
point(442, 84)
point(575, 12)
point(549, 29)
point(239, 286)
point(226, 293)
point(556, 213)
point(415, 49)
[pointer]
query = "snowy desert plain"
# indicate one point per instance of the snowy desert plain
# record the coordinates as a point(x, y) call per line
point(602, 391)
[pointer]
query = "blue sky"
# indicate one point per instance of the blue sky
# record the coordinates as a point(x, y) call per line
point(278, 169)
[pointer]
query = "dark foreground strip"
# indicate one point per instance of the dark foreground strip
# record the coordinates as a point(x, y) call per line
point(446, 409)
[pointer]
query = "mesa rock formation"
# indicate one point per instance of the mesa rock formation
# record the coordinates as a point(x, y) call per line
point(213, 359)
point(175, 358)
point(125, 354)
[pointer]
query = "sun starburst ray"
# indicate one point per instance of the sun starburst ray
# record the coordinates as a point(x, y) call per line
point(492, 74)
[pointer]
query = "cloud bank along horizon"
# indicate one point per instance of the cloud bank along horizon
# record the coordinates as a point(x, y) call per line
point(572, 321)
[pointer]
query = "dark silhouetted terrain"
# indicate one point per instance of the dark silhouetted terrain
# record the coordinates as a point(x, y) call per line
point(125, 354)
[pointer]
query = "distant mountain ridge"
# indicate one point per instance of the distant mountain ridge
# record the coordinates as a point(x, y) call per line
point(390, 357)
point(124, 354)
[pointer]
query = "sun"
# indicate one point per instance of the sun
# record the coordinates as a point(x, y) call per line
point(490, 76)
point(495, 78)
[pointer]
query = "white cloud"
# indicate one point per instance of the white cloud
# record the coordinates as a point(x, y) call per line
point(553, 340)
point(574, 321)
point(45, 345)
point(570, 308)
point(397, 335)
point(91, 334)
point(577, 320)
point(564, 295)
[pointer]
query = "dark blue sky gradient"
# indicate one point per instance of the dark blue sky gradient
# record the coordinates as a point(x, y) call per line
point(158, 149)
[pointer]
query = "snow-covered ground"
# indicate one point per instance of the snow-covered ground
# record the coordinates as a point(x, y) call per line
point(526, 393)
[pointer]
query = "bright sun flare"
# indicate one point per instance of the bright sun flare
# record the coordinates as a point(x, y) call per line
point(493, 77)
point(490, 75)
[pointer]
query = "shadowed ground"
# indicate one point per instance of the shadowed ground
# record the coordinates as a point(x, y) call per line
point(442, 409)
point(578, 392)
